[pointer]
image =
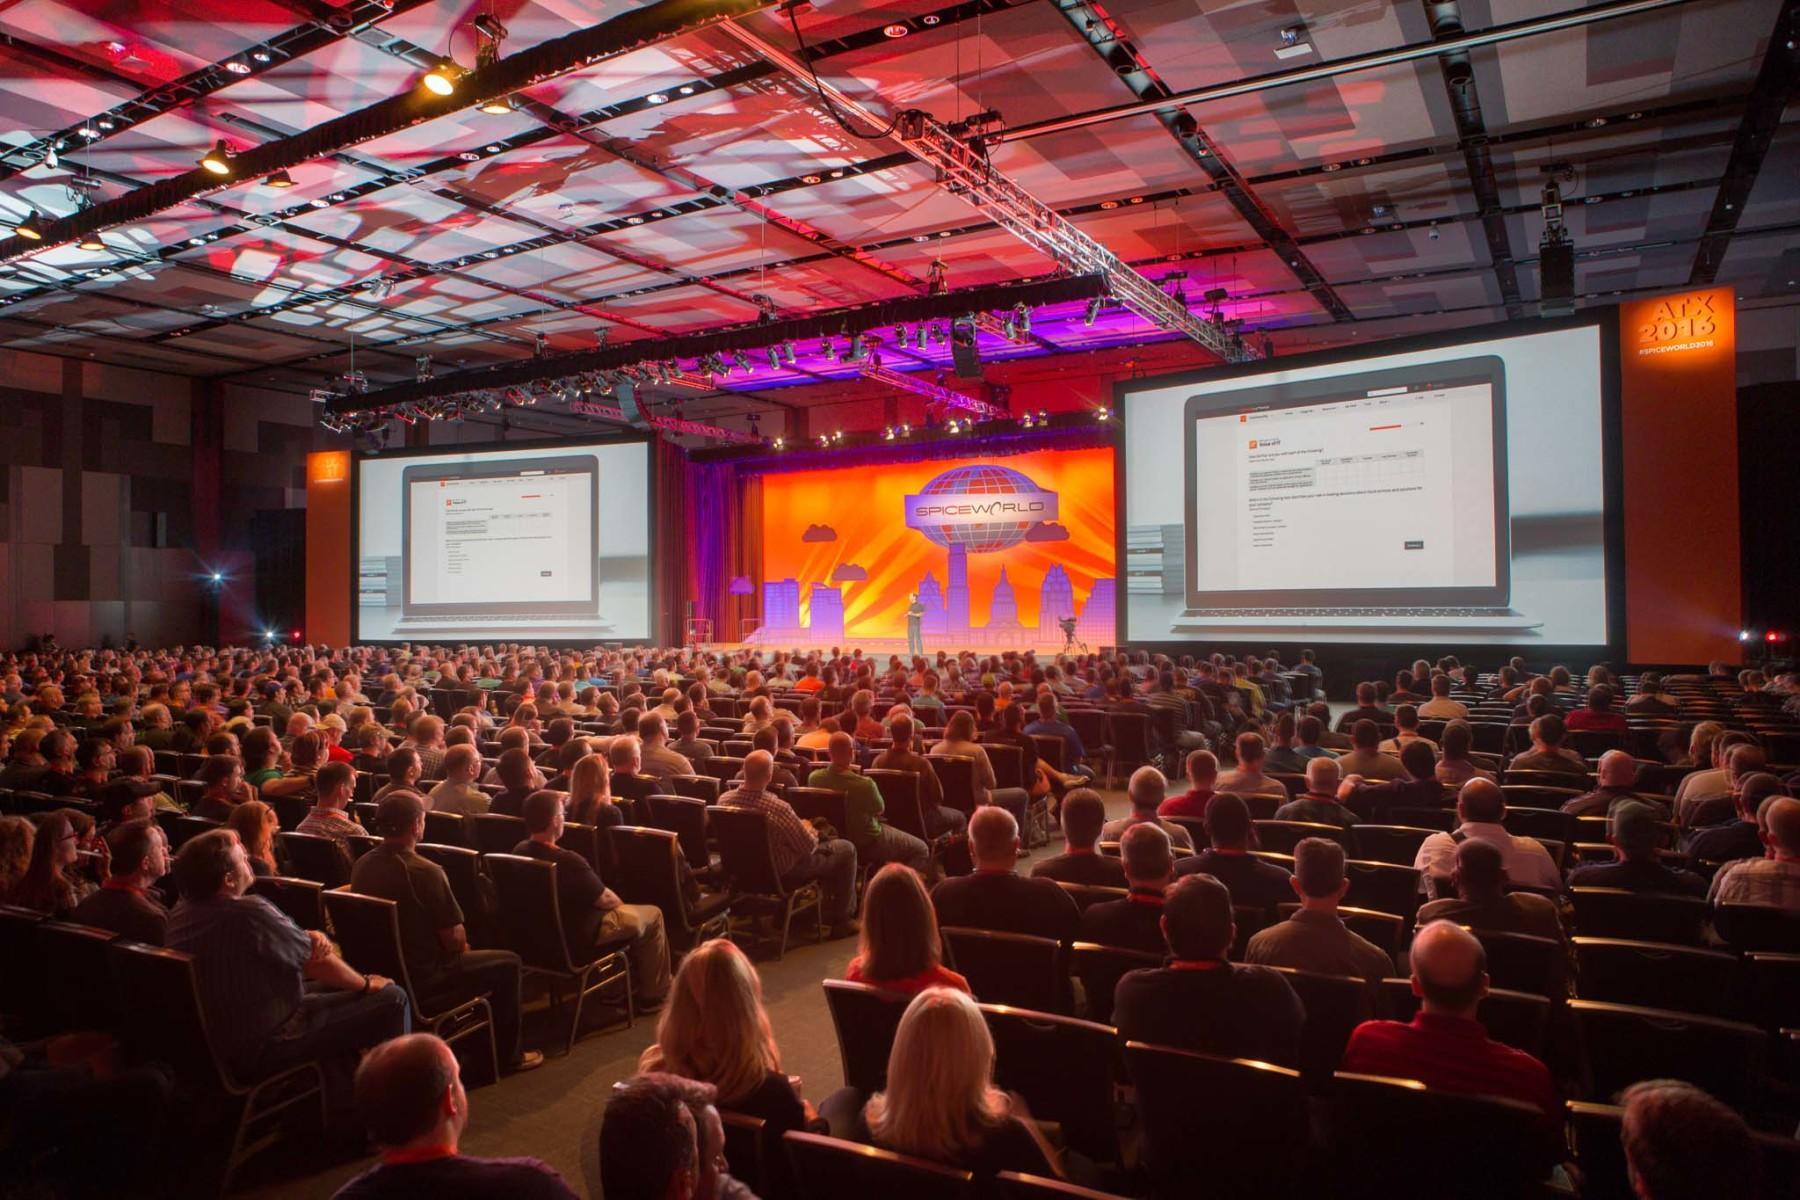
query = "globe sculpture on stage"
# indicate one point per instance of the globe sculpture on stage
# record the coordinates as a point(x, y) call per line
point(982, 508)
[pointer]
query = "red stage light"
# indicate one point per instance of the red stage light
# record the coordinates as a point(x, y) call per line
point(296, 635)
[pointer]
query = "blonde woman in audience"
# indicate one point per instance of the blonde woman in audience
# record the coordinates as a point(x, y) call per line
point(590, 793)
point(714, 1029)
point(255, 824)
point(899, 950)
point(941, 1102)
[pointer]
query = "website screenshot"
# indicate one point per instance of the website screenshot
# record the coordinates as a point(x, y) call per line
point(1388, 488)
point(499, 540)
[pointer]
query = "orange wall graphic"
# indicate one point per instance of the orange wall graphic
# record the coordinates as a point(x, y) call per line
point(848, 527)
point(1678, 427)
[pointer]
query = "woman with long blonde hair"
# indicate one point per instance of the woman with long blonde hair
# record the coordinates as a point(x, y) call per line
point(941, 1102)
point(714, 1029)
point(255, 825)
point(899, 950)
point(590, 793)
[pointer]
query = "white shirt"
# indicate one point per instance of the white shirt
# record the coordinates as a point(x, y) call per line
point(1112, 831)
point(1527, 863)
point(1442, 708)
point(1250, 783)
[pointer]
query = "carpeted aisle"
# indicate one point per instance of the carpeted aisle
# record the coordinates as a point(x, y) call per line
point(553, 1113)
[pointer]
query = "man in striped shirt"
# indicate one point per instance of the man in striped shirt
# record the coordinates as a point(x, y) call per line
point(800, 855)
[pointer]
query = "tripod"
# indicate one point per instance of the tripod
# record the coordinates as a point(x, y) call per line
point(1069, 640)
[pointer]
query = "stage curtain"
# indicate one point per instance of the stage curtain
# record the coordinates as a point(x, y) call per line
point(724, 515)
point(671, 557)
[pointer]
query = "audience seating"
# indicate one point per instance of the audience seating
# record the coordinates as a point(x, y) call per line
point(1524, 963)
point(445, 828)
point(1008, 968)
point(1758, 927)
point(1666, 976)
point(1217, 1126)
point(901, 806)
point(169, 1027)
point(300, 899)
point(685, 817)
point(1383, 887)
point(1624, 1043)
point(73, 962)
point(1282, 836)
point(1014, 1186)
point(748, 1151)
point(316, 858)
point(749, 864)
point(1519, 1019)
point(495, 833)
point(368, 935)
point(696, 787)
point(186, 827)
point(828, 1169)
point(865, 1019)
point(1772, 990)
point(1087, 894)
point(1385, 930)
point(531, 926)
point(1335, 1005)
point(1397, 845)
point(1492, 1149)
point(1099, 968)
point(956, 775)
point(471, 887)
point(1639, 916)
point(1434, 820)
point(1066, 1070)
point(647, 870)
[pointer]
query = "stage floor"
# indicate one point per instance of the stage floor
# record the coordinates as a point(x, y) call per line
point(882, 647)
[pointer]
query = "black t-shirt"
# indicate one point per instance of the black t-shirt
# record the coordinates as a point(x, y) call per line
point(457, 1178)
point(426, 904)
point(578, 889)
point(1232, 1010)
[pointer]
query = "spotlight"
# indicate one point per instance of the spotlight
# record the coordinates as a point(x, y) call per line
point(1026, 421)
point(657, 98)
point(906, 431)
point(218, 159)
point(31, 228)
point(1043, 417)
point(1103, 413)
point(837, 435)
point(828, 351)
point(91, 242)
point(1743, 635)
point(218, 577)
point(497, 107)
point(887, 435)
point(780, 443)
point(441, 80)
point(900, 336)
point(859, 350)
point(787, 353)
point(742, 362)
point(237, 67)
point(824, 441)
point(1092, 312)
point(261, 56)
point(1022, 318)
point(279, 179)
point(895, 30)
point(774, 358)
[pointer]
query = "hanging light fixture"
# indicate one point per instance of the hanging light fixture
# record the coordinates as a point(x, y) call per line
point(279, 179)
point(441, 80)
point(218, 159)
point(31, 228)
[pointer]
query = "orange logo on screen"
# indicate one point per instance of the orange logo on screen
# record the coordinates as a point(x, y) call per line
point(328, 466)
point(1253, 443)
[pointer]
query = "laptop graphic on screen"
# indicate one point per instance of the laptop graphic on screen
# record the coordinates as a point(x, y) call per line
point(497, 547)
point(1365, 502)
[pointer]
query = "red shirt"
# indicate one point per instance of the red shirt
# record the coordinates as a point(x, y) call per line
point(1605, 722)
point(1191, 803)
point(339, 754)
point(935, 976)
point(1451, 1054)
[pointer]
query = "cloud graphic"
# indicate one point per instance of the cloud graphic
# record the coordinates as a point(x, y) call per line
point(819, 533)
point(1047, 531)
point(849, 573)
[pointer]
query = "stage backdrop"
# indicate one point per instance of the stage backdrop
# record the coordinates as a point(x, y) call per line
point(999, 550)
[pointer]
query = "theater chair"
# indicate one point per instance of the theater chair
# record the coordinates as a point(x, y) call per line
point(828, 1169)
point(749, 865)
point(1218, 1126)
point(1624, 1043)
point(1655, 974)
point(647, 870)
point(1009, 968)
point(1385, 1139)
point(1066, 1069)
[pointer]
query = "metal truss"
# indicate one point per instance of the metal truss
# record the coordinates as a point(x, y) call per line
point(931, 391)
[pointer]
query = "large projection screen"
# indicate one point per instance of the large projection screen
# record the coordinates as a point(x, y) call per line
point(522, 542)
point(1455, 495)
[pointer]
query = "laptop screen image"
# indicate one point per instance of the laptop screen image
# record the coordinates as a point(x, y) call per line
point(508, 537)
point(1363, 490)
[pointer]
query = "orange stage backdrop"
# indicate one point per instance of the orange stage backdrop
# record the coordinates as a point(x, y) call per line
point(832, 526)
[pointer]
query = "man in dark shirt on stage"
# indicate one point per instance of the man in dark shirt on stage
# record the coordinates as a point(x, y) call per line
point(1201, 1002)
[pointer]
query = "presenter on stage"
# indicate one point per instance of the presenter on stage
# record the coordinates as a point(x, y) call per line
point(915, 626)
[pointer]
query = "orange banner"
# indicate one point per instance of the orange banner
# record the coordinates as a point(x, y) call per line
point(874, 533)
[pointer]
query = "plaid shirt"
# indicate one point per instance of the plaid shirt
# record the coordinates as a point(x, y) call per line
point(791, 840)
point(1771, 881)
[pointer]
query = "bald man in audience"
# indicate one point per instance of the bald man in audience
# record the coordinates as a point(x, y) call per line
point(1320, 805)
point(1616, 776)
point(1740, 836)
point(996, 897)
point(1444, 1046)
point(1774, 879)
point(1134, 922)
point(1146, 790)
point(1481, 811)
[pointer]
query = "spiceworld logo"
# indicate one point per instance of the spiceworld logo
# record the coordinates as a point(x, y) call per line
point(982, 507)
point(1680, 324)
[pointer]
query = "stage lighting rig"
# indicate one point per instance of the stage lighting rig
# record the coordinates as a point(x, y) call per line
point(1092, 312)
point(217, 161)
point(442, 79)
point(1556, 249)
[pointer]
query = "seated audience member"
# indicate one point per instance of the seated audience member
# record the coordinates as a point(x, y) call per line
point(1633, 832)
point(1547, 751)
point(1481, 811)
point(331, 732)
point(133, 785)
point(959, 742)
point(427, 737)
point(53, 882)
point(1483, 903)
point(1598, 716)
point(251, 965)
point(1406, 731)
point(1742, 761)
point(799, 854)
point(16, 843)
point(520, 777)
point(372, 748)
point(256, 825)
point(875, 841)
point(1681, 1144)
point(410, 1097)
point(1228, 859)
point(714, 1030)
point(57, 776)
point(1200, 1001)
point(687, 741)
point(1365, 758)
point(1444, 1046)
point(590, 794)
point(1368, 708)
point(222, 787)
point(995, 896)
point(1284, 757)
point(592, 913)
point(336, 783)
point(650, 1142)
point(1456, 768)
point(1441, 707)
point(95, 759)
point(659, 762)
point(1419, 789)
point(1320, 738)
point(1083, 815)
point(1614, 777)
point(1650, 698)
point(458, 793)
point(900, 950)
point(1247, 778)
point(305, 756)
point(1202, 768)
point(1738, 836)
point(1320, 804)
point(940, 1102)
point(903, 755)
point(1315, 938)
point(404, 773)
point(442, 968)
point(1048, 724)
point(1774, 879)
point(125, 903)
point(1146, 790)
point(1134, 923)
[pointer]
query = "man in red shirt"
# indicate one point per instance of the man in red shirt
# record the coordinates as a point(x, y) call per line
point(1202, 773)
point(1444, 1046)
point(1599, 714)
